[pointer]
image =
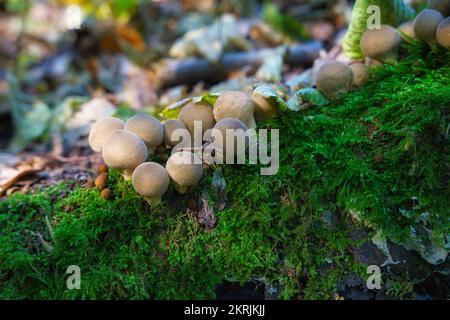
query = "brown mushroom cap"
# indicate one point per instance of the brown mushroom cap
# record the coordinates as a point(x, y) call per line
point(443, 6)
point(426, 24)
point(406, 30)
point(235, 104)
point(334, 78)
point(229, 126)
point(184, 169)
point(124, 150)
point(101, 130)
point(264, 108)
point(443, 33)
point(381, 44)
point(169, 127)
point(151, 181)
point(148, 128)
point(360, 74)
point(197, 112)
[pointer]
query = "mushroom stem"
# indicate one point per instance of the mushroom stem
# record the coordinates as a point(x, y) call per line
point(152, 200)
point(127, 173)
point(180, 189)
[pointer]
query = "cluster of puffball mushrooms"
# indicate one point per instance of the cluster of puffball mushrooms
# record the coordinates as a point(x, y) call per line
point(381, 45)
point(126, 145)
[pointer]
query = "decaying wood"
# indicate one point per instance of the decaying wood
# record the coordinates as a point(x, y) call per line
point(194, 70)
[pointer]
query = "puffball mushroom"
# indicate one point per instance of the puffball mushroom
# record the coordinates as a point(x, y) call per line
point(148, 128)
point(169, 127)
point(197, 112)
point(264, 108)
point(407, 31)
point(334, 78)
point(235, 104)
point(443, 33)
point(443, 6)
point(234, 126)
point(184, 169)
point(360, 74)
point(101, 130)
point(381, 44)
point(426, 24)
point(124, 150)
point(151, 181)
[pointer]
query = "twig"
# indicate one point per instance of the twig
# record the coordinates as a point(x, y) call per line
point(194, 70)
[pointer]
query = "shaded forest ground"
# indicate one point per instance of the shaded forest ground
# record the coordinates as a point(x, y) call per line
point(376, 160)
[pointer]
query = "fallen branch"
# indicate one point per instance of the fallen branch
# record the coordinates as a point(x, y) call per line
point(194, 70)
point(16, 178)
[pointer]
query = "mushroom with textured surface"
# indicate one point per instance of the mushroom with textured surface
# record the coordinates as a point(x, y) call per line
point(197, 112)
point(235, 104)
point(334, 78)
point(185, 170)
point(443, 33)
point(360, 74)
point(426, 24)
point(151, 181)
point(230, 128)
point(101, 130)
point(124, 150)
point(169, 127)
point(381, 44)
point(148, 128)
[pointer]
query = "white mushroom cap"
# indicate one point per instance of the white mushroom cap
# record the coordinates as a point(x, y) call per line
point(360, 74)
point(124, 150)
point(381, 44)
point(169, 127)
point(426, 24)
point(334, 78)
point(151, 181)
point(443, 33)
point(101, 130)
point(230, 126)
point(264, 107)
point(235, 104)
point(148, 128)
point(197, 112)
point(184, 169)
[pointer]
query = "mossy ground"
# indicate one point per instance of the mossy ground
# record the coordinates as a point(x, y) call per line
point(371, 152)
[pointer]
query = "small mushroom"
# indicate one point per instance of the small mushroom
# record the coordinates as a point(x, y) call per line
point(443, 33)
point(265, 108)
point(443, 6)
point(197, 112)
point(381, 44)
point(426, 24)
point(101, 130)
point(148, 128)
point(235, 104)
point(223, 130)
point(124, 150)
point(360, 74)
point(151, 181)
point(184, 169)
point(334, 78)
point(169, 127)
point(406, 30)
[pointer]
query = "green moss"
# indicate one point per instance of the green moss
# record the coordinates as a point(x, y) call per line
point(371, 152)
